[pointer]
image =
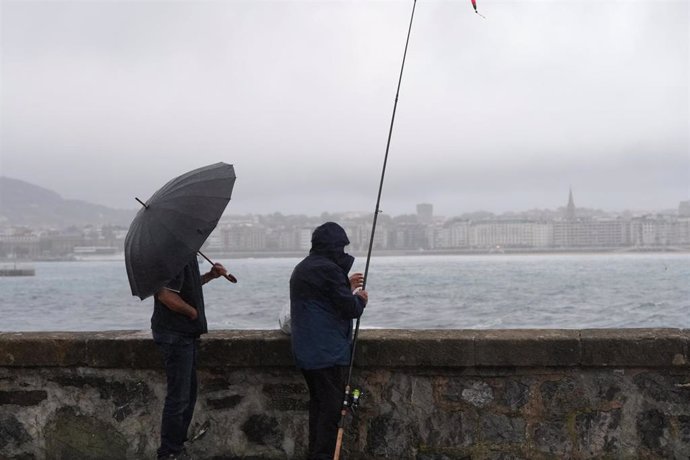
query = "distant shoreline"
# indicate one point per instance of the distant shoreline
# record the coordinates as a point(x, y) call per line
point(455, 252)
point(384, 253)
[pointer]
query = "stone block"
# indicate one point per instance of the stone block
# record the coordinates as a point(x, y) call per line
point(525, 348)
point(12, 432)
point(263, 430)
point(551, 437)
point(633, 347)
point(667, 389)
point(70, 434)
point(128, 396)
point(653, 431)
point(444, 454)
point(390, 437)
point(49, 349)
point(415, 348)
point(599, 433)
point(501, 429)
point(563, 396)
point(245, 349)
point(22, 397)
point(448, 428)
point(476, 393)
point(515, 394)
point(286, 396)
point(122, 350)
point(224, 402)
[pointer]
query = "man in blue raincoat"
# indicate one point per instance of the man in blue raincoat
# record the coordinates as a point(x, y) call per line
point(322, 307)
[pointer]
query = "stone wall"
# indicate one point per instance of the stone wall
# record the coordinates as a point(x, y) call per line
point(429, 395)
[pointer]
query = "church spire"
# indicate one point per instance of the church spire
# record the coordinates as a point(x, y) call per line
point(570, 209)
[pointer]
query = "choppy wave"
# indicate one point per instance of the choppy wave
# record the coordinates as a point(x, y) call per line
point(420, 292)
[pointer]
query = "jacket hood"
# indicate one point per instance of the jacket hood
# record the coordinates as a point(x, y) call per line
point(329, 237)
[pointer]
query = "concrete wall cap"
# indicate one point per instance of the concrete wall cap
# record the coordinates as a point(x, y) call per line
point(654, 347)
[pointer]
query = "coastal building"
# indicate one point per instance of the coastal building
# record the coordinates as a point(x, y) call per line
point(304, 238)
point(214, 242)
point(425, 213)
point(458, 234)
point(409, 236)
point(244, 237)
point(542, 235)
point(568, 228)
point(684, 209)
point(570, 207)
point(357, 234)
point(24, 245)
point(590, 233)
point(507, 234)
point(682, 234)
point(657, 231)
point(381, 236)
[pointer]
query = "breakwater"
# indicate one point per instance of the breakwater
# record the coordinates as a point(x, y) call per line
point(429, 395)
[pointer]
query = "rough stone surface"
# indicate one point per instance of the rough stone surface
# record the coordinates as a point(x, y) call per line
point(226, 402)
point(634, 347)
point(12, 432)
point(526, 348)
point(429, 395)
point(262, 429)
point(552, 437)
point(598, 432)
point(502, 429)
point(70, 434)
point(515, 394)
point(22, 398)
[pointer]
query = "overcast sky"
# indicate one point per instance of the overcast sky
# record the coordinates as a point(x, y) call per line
point(106, 100)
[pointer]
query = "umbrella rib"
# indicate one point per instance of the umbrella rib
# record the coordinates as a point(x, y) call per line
point(174, 187)
point(179, 213)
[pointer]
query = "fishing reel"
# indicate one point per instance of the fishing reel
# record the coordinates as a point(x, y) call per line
point(352, 399)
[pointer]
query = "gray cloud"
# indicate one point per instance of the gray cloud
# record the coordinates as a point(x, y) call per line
point(104, 100)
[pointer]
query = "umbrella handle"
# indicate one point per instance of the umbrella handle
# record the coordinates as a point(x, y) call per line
point(230, 277)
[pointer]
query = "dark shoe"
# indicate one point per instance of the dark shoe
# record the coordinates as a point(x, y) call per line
point(182, 455)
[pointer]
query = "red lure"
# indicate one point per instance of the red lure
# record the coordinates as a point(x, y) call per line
point(474, 5)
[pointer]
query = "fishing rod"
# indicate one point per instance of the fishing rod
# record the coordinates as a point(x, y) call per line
point(348, 400)
point(377, 211)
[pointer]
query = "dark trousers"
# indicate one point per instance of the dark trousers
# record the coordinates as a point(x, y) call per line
point(179, 356)
point(326, 393)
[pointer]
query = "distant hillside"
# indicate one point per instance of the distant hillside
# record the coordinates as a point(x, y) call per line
point(22, 203)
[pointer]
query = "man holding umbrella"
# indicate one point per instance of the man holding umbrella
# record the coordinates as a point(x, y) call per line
point(177, 322)
point(161, 250)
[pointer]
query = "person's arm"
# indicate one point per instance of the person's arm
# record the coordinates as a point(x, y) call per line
point(216, 271)
point(348, 304)
point(174, 302)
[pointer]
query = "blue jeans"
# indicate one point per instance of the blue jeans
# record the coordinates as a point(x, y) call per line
point(180, 357)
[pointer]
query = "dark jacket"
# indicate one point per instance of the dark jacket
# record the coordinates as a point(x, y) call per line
point(322, 305)
point(188, 285)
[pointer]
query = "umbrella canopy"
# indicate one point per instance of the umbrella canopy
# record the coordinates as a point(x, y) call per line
point(173, 224)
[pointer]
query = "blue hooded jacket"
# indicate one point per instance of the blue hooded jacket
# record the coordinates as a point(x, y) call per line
point(322, 305)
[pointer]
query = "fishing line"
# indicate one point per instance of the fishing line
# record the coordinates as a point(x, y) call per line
point(377, 211)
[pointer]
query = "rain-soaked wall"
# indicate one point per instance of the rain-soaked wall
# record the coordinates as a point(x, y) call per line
point(526, 394)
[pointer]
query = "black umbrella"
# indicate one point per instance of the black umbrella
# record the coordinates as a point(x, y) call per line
point(173, 224)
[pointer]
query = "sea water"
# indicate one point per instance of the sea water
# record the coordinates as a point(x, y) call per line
point(420, 292)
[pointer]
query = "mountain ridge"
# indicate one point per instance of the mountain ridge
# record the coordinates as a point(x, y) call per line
point(26, 204)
